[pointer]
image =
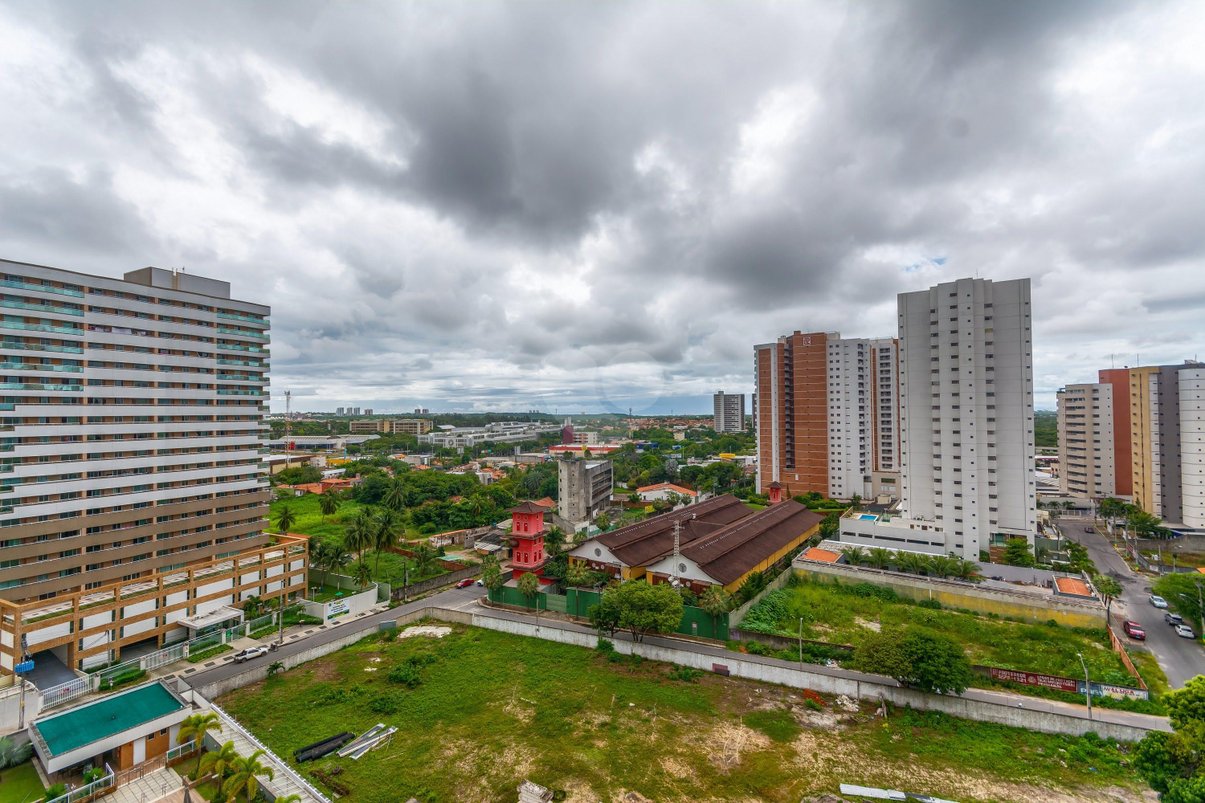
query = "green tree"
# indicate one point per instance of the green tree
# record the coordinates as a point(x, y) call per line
point(1016, 552)
point(244, 776)
point(424, 558)
point(328, 503)
point(362, 574)
point(491, 574)
point(1109, 590)
point(275, 668)
point(1174, 763)
point(911, 562)
point(253, 606)
point(219, 762)
point(879, 558)
point(604, 617)
point(395, 495)
point(924, 660)
point(285, 519)
point(1111, 509)
point(645, 608)
point(716, 602)
point(194, 728)
point(1145, 525)
point(603, 521)
point(360, 534)
point(855, 556)
point(528, 585)
point(577, 575)
point(386, 534)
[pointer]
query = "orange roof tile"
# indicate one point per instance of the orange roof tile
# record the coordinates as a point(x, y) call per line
point(1073, 585)
point(821, 555)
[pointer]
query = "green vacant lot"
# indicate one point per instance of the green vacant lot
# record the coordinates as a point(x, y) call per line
point(20, 784)
point(846, 613)
point(489, 710)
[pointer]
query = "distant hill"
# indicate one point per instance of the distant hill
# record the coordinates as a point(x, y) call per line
point(1045, 428)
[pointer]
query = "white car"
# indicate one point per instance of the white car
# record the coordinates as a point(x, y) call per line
point(249, 653)
point(1184, 631)
point(1158, 601)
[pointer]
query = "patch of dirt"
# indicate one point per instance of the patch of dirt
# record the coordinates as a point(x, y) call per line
point(520, 709)
point(875, 626)
point(729, 741)
point(324, 669)
point(677, 768)
point(579, 792)
point(425, 630)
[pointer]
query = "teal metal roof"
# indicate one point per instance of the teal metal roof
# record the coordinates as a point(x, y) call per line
point(92, 722)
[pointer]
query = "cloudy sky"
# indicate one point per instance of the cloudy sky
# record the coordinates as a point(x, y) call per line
point(584, 206)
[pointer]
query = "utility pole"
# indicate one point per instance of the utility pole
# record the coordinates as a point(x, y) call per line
point(1087, 685)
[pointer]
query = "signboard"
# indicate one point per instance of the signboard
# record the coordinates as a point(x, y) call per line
point(24, 666)
point(336, 608)
point(1120, 692)
point(1035, 679)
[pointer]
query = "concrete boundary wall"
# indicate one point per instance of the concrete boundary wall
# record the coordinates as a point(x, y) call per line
point(767, 670)
point(1015, 605)
point(866, 687)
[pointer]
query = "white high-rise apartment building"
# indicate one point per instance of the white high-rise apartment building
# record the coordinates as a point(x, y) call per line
point(966, 366)
point(133, 414)
point(729, 411)
point(863, 433)
point(1085, 426)
point(1192, 446)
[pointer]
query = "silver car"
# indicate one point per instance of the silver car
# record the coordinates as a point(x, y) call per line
point(1184, 631)
point(1158, 601)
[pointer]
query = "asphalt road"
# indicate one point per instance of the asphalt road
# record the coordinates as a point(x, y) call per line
point(1182, 659)
point(468, 600)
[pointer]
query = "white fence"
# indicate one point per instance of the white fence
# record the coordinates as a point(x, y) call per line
point(65, 692)
point(85, 792)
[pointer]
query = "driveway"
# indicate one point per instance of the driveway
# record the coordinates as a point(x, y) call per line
point(1182, 659)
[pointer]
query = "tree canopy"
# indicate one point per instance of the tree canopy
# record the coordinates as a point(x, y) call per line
point(644, 608)
point(919, 658)
point(1174, 763)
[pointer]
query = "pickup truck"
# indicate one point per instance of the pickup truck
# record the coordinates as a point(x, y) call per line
point(249, 653)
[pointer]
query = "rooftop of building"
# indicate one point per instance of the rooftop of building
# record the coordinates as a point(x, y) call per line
point(92, 722)
point(646, 541)
point(727, 554)
point(667, 486)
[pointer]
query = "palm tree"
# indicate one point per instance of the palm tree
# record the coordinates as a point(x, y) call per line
point(424, 558)
point(194, 728)
point(1108, 588)
point(245, 777)
point(395, 496)
point(285, 518)
point(360, 534)
point(219, 761)
point(879, 558)
point(942, 565)
point(327, 556)
point(855, 556)
point(909, 562)
point(967, 569)
point(362, 574)
point(328, 503)
point(715, 601)
point(386, 535)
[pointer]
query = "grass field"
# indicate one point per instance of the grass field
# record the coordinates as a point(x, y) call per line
point(20, 784)
point(846, 613)
point(493, 709)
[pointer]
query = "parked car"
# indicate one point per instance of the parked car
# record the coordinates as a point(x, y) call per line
point(1173, 619)
point(1134, 630)
point(249, 653)
point(465, 583)
point(481, 582)
point(1184, 631)
point(1089, 529)
point(1158, 601)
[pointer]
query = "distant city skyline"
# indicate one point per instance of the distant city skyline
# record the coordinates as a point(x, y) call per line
point(489, 206)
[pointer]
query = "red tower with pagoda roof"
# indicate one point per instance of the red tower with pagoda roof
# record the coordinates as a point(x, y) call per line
point(775, 494)
point(527, 541)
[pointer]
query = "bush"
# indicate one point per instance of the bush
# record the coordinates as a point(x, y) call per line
point(334, 695)
point(931, 604)
point(207, 653)
point(813, 705)
point(58, 790)
point(685, 673)
point(605, 646)
point(387, 703)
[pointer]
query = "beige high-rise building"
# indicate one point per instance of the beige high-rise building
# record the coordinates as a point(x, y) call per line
point(1085, 426)
point(133, 416)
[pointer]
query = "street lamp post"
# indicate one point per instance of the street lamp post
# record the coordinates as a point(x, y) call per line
point(1200, 606)
point(800, 643)
point(1087, 685)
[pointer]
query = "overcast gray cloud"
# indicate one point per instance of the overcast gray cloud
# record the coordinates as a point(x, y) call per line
point(580, 206)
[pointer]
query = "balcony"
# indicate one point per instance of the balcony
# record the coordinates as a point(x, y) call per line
point(13, 344)
point(41, 327)
point(223, 330)
point(41, 288)
point(38, 386)
point(12, 303)
point(33, 366)
point(235, 316)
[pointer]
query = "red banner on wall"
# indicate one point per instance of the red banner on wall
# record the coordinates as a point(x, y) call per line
point(1034, 679)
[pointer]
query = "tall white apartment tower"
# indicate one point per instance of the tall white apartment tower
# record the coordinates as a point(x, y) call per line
point(966, 381)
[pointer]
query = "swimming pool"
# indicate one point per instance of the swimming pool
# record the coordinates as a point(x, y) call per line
point(868, 517)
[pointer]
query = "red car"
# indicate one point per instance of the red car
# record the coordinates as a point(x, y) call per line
point(465, 583)
point(1134, 630)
